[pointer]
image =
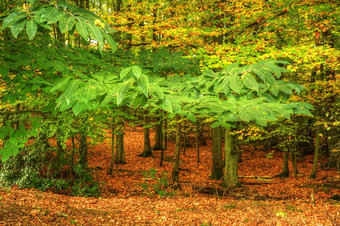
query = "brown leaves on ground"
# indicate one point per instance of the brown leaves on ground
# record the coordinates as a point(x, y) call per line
point(263, 199)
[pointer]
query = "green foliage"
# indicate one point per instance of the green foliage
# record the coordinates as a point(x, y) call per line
point(69, 18)
point(159, 183)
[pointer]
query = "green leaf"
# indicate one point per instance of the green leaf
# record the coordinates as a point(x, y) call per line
point(60, 84)
point(231, 69)
point(56, 17)
point(96, 33)
point(226, 85)
point(3, 71)
point(66, 23)
point(31, 29)
point(250, 82)
point(78, 107)
point(124, 72)
point(8, 150)
point(274, 89)
point(136, 71)
point(191, 117)
point(166, 105)
point(158, 93)
point(13, 18)
point(121, 92)
point(17, 28)
point(215, 124)
point(244, 116)
point(71, 90)
point(3, 132)
point(235, 83)
point(89, 92)
point(111, 42)
point(81, 27)
point(143, 84)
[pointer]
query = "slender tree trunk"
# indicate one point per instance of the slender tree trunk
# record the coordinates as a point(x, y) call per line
point(60, 156)
point(184, 143)
point(113, 145)
point(175, 171)
point(165, 134)
point(196, 142)
point(147, 148)
point(158, 135)
point(73, 151)
point(83, 150)
point(293, 158)
point(120, 143)
point(231, 161)
point(316, 152)
point(217, 160)
point(285, 172)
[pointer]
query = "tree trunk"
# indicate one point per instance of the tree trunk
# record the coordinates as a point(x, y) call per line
point(217, 160)
point(120, 154)
point(165, 147)
point(285, 172)
point(231, 161)
point(175, 170)
point(158, 135)
point(293, 158)
point(196, 143)
point(83, 150)
point(147, 148)
point(113, 145)
point(316, 152)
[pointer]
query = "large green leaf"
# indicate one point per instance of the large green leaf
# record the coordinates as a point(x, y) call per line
point(250, 82)
point(123, 88)
point(78, 107)
point(244, 116)
point(31, 28)
point(111, 42)
point(56, 17)
point(124, 72)
point(82, 29)
point(71, 90)
point(236, 83)
point(137, 71)
point(191, 117)
point(66, 23)
point(143, 84)
point(166, 105)
point(60, 84)
point(96, 33)
point(13, 18)
point(17, 28)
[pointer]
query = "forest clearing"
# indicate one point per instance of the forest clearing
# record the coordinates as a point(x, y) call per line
point(262, 199)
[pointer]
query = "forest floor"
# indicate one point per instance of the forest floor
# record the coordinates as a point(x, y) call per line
point(262, 200)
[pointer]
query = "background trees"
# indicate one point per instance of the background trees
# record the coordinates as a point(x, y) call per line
point(58, 74)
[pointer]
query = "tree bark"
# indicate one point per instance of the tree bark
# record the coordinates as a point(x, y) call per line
point(285, 172)
point(113, 145)
point(231, 161)
point(158, 135)
point(293, 158)
point(120, 153)
point(217, 160)
point(316, 152)
point(175, 170)
point(197, 144)
point(83, 150)
point(147, 147)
